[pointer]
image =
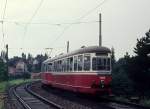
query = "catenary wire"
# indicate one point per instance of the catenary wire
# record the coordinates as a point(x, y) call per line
point(30, 20)
point(2, 22)
point(83, 16)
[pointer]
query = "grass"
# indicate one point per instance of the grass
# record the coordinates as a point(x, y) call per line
point(5, 84)
point(146, 102)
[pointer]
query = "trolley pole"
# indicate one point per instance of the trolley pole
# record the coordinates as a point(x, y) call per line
point(100, 30)
point(67, 46)
point(7, 61)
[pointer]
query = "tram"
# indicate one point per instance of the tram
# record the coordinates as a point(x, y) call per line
point(86, 70)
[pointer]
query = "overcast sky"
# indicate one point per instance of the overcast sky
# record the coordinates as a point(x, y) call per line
point(123, 21)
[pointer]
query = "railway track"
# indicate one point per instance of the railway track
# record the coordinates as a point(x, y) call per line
point(22, 99)
point(87, 101)
point(32, 96)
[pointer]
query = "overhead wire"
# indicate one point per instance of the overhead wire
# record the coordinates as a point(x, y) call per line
point(83, 16)
point(3, 16)
point(2, 22)
point(34, 14)
point(30, 20)
point(32, 17)
point(46, 23)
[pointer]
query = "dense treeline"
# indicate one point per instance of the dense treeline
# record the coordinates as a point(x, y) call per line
point(131, 74)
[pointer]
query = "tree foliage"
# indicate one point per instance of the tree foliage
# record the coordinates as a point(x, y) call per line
point(3, 71)
point(131, 75)
point(139, 65)
point(121, 83)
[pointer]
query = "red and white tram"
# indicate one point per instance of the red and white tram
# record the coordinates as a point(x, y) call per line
point(87, 70)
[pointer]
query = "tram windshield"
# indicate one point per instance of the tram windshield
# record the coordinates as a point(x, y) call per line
point(99, 63)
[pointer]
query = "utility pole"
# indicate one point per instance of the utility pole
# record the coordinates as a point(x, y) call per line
point(100, 30)
point(67, 46)
point(7, 61)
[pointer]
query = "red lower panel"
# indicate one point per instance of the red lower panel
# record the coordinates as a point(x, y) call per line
point(78, 83)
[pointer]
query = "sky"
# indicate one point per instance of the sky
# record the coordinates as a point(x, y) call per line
point(31, 26)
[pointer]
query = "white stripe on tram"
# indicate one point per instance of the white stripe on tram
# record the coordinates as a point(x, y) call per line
point(78, 73)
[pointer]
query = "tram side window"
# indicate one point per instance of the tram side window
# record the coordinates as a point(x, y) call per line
point(52, 66)
point(70, 64)
point(94, 64)
point(87, 62)
point(49, 66)
point(75, 63)
point(45, 69)
point(55, 66)
point(60, 66)
point(108, 64)
point(80, 62)
point(42, 68)
point(65, 65)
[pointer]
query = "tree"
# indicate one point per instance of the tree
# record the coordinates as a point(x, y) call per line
point(121, 83)
point(139, 65)
point(113, 60)
point(143, 45)
point(29, 62)
point(23, 56)
point(3, 70)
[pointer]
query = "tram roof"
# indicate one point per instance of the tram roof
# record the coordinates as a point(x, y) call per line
point(90, 49)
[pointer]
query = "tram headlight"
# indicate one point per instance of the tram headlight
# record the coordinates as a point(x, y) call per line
point(102, 84)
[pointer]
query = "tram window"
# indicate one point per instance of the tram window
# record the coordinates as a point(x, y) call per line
point(55, 66)
point(60, 65)
point(101, 63)
point(94, 64)
point(42, 70)
point(52, 66)
point(45, 67)
point(108, 64)
point(87, 62)
point(70, 63)
point(75, 63)
point(80, 62)
point(49, 66)
point(65, 65)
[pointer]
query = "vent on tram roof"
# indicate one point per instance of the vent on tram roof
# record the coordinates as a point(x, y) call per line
point(61, 54)
point(83, 46)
